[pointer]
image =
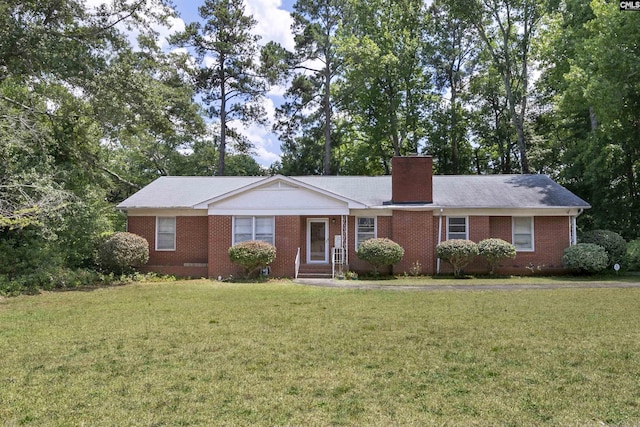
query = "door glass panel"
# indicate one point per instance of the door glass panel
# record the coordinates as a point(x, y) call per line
point(317, 242)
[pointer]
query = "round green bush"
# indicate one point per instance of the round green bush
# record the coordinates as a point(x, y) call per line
point(380, 251)
point(457, 252)
point(585, 258)
point(121, 252)
point(613, 243)
point(632, 258)
point(252, 255)
point(495, 250)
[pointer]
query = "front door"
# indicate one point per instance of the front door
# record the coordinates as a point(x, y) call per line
point(318, 241)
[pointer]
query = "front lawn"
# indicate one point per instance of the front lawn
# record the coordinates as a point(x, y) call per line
point(447, 280)
point(277, 353)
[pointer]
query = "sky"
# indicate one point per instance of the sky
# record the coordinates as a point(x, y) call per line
point(274, 24)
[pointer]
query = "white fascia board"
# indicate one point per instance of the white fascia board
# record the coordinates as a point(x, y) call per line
point(485, 211)
point(279, 212)
point(524, 211)
point(166, 212)
point(370, 212)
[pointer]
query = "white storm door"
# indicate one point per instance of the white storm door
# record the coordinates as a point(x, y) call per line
point(317, 241)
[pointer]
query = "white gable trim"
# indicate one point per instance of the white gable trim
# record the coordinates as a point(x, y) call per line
point(279, 195)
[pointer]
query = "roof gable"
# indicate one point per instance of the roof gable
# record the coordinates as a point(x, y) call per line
point(279, 195)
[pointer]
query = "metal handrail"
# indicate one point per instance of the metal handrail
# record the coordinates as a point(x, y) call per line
point(297, 263)
point(337, 258)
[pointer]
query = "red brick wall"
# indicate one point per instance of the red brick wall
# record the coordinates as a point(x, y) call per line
point(220, 239)
point(414, 232)
point(288, 237)
point(191, 245)
point(551, 237)
point(202, 240)
point(411, 179)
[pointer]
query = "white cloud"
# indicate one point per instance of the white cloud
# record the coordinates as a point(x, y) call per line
point(266, 143)
point(176, 25)
point(274, 23)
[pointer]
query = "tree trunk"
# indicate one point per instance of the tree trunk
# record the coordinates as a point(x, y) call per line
point(327, 119)
point(222, 148)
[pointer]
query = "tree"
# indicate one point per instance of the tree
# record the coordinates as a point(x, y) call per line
point(455, 50)
point(252, 255)
point(495, 250)
point(380, 251)
point(313, 67)
point(385, 87)
point(590, 57)
point(55, 178)
point(507, 29)
point(228, 74)
point(147, 116)
point(459, 253)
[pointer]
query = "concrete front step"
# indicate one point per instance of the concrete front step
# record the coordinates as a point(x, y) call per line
point(314, 275)
point(315, 271)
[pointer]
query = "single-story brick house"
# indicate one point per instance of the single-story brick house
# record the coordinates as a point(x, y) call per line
point(190, 222)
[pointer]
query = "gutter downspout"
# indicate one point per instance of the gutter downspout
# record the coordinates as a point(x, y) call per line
point(574, 227)
point(439, 239)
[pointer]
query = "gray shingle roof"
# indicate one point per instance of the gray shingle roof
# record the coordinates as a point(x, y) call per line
point(449, 191)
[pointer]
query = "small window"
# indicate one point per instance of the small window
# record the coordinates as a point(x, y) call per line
point(247, 228)
point(523, 233)
point(457, 228)
point(166, 233)
point(365, 229)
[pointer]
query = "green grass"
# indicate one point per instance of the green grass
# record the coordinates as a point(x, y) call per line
point(207, 353)
point(500, 280)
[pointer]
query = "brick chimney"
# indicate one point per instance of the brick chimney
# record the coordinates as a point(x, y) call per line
point(411, 179)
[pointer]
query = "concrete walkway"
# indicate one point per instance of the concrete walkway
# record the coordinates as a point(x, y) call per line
point(354, 284)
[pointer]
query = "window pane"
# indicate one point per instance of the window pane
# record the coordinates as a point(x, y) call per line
point(366, 225)
point(264, 225)
point(522, 240)
point(366, 229)
point(457, 228)
point(253, 228)
point(166, 225)
point(453, 236)
point(243, 226)
point(264, 229)
point(166, 234)
point(523, 233)
point(521, 225)
point(165, 241)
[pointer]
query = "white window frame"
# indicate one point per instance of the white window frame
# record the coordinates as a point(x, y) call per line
point(466, 227)
point(253, 227)
point(513, 233)
point(357, 235)
point(158, 219)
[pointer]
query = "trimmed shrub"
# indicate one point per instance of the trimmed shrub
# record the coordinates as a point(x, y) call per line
point(380, 251)
point(495, 250)
point(252, 255)
point(458, 252)
point(632, 258)
point(122, 252)
point(613, 243)
point(585, 258)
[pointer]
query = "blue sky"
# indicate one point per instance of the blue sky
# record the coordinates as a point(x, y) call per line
point(274, 24)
